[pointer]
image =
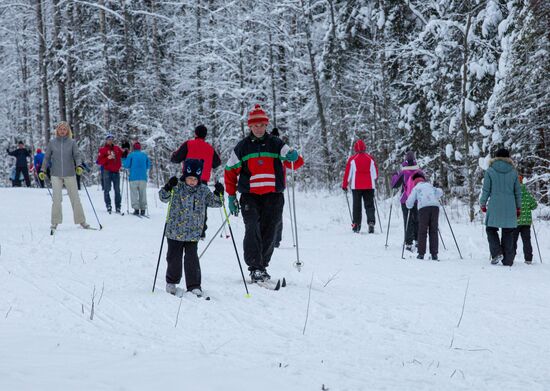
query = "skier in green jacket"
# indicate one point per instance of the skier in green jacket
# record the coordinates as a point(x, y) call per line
point(528, 203)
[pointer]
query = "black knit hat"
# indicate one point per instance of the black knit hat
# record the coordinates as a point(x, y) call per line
point(502, 152)
point(192, 167)
point(201, 131)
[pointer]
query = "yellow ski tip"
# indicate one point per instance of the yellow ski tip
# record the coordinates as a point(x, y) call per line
point(248, 295)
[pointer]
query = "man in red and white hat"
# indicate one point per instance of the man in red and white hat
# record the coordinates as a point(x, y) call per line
point(255, 169)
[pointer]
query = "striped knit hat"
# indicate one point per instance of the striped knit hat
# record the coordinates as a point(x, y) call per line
point(257, 116)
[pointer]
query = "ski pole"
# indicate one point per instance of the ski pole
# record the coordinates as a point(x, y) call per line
point(127, 193)
point(451, 228)
point(441, 237)
point(298, 263)
point(349, 208)
point(405, 237)
point(290, 216)
point(378, 214)
point(223, 226)
point(389, 220)
point(213, 237)
point(234, 245)
point(536, 240)
point(48, 188)
point(91, 203)
point(49, 191)
point(163, 235)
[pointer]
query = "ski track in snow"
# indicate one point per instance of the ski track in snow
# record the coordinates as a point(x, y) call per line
point(381, 323)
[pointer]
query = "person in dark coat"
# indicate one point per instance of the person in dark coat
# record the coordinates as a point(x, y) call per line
point(501, 201)
point(21, 154)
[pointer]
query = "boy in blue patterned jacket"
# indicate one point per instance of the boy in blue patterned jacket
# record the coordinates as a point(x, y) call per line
point(188, 199)
point(427, 197)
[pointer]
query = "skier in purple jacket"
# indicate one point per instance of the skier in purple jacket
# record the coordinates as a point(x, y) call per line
point(402, 179)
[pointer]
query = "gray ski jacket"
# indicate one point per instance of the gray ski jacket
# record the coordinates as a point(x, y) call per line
point(64, 156)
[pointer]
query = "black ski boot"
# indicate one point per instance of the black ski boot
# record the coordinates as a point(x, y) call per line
point(256, 276)
point(371, 228)
point(265, 275)
point(142, 212)
point(136, 212)
point(356, 228)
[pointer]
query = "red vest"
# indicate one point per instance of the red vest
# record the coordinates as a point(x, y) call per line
point(361, 172)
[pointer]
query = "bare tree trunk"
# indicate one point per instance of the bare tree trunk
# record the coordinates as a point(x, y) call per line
point(43, 70)
point(103, 33)
point(320, 108)
point(282, 63)
point(69, 70)
point(59, 74)
point(129, 51)
point(273, 88)
point(470, 174)
point(200, 96)
point(24, 69)
point(241, 88)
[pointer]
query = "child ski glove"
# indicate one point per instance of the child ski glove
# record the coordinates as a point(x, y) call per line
point(42, 176)
point(292, 156)
point(233, 205)
point(172, 182)
point(218, 189)
point(79, 170)
point(483, 208)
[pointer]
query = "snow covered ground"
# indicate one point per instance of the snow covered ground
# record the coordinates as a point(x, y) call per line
point(376, 322)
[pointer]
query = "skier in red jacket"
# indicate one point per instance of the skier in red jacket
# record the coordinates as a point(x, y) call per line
point(199, 149)
point(110, 157)
point(361, 174)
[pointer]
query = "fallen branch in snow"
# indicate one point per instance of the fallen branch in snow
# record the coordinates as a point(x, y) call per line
point(308, 301)
point(475, 350)
point(333, 277)
point(102, 290)
point(178, 314)
point(459, 370)
point(92, 310)
point(7, 313)
point(82, 257)
point(463, 303)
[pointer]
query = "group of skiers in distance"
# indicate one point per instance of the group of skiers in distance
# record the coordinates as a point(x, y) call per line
point(504, 199)
point(256, 169)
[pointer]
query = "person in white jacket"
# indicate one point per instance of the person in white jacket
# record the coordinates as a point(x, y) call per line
point(427, 197)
